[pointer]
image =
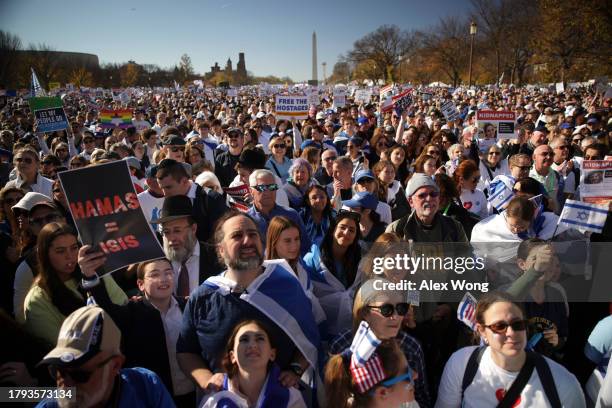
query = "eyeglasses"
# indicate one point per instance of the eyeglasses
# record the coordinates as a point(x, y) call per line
point(26, 160)
point(388, 309)
point(279, 146)
point(432, 194)
point(78, 376)
point(46, 219)
point(266, 187)
point(176, 149)
point(494, 153)
point(331, 158)
point(501, 327)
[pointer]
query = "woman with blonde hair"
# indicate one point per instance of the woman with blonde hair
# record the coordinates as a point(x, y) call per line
point(383, 310)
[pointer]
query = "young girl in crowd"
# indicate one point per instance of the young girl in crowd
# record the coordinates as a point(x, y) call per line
point(252, 379)
point(56, 292)
point(390, 189)
point(467, 177)
point(317, 213)
point(334, 272)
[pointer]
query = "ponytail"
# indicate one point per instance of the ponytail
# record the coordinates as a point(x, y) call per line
point(338, 384)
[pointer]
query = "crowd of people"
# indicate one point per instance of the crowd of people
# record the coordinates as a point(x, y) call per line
point(266, 296)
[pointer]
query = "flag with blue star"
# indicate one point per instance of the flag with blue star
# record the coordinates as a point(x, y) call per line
point(584, 216)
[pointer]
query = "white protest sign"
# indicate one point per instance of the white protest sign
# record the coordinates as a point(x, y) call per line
point(291, 106)
point(313, 99)
point(495, 125)
point(450, 111)
point(339, 98)
point(596, 181)
point(560, 87)
point(232, 92)
point(363, 95)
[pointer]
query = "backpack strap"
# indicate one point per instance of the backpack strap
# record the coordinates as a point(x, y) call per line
point(471, 368)
point(547, 380)
point(519, 383)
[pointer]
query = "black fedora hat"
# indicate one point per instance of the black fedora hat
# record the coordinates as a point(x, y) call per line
point(175, 207)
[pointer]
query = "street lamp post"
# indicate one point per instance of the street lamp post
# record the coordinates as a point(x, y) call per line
point(473, 30)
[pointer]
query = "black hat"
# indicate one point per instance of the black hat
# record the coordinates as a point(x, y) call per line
point(175, 207)
point(252, 159)
point(541, 128)
point(174, 140)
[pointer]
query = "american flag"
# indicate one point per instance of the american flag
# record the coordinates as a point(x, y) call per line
point(35, 88)
point(386, 100)
point(369, 374)
point(466, 312)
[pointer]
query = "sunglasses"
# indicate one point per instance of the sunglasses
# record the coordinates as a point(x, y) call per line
point(388, 309)
point(331, 158)
point(177, 149)
point(501, 327)
point(78, 376)
point(432, 152)
point(266, 187)
point(433, 194)
point(394, 380)
point(279, 146)
point(494, 153)
point(45, 220)
point(26, 160)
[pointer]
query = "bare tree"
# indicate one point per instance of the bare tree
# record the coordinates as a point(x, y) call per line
point(382, 48)
point(185, 68)
point(9, 45)
point(447, 45)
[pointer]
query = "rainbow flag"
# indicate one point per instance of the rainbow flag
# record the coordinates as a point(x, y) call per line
point(116, 118)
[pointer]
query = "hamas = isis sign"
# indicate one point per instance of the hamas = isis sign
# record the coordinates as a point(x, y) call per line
point(108, 216)
point(49, 114)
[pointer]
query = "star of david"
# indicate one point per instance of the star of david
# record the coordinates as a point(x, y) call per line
point(582, 215)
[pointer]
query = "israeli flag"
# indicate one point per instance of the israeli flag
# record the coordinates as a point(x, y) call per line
point(364, 344)
point(36, 89)
point(500, 192)
point(278, 294)
point(584, 216)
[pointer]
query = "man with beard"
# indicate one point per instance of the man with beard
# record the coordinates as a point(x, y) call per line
point(88, 360)
point(181, 245)
point(248, 288)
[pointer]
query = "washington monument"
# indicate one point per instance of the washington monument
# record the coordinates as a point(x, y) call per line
point(315, 76)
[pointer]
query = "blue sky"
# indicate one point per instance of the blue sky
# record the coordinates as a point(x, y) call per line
point(274, 35)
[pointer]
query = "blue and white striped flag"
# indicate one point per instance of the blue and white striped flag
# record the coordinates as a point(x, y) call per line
point(466, 312)
point(364, 344)
point(584, 216)
point(500, 192)
point(35, 88)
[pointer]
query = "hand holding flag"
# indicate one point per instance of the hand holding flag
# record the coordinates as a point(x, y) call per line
point(584, 216)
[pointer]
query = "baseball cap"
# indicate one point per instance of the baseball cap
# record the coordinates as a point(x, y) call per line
point(32, 199)
point(362, 121)
point(88, 331)
point(420, 180)
point(361, 174)
point(174, 140)
point(309, 143)
point(565, 125)
point(320, 116)
point(363, 199)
